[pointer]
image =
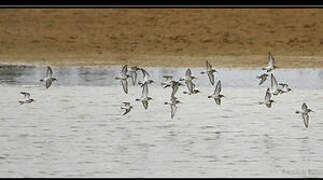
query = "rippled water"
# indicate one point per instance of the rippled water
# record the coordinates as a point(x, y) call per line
point(75, 128)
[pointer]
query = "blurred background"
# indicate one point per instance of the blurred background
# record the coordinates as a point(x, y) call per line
point(162, 37)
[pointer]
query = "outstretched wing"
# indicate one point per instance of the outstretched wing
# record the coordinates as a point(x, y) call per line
point(263, 79)
point(304, 107)
point(211, 77)
point(26, 95)
point(270, 59)
point(127, 110)
point(218, 88)
point(274, 84)
point(173, 110)
point(145, 104)
point(49, 72)
point(133, 77)
point(146, 75)
point(190, 86)
point(188, 72)
point(144, 93)
point(217, 101)
point(175, 89)
point(208, 66)
point(267, 96)
point(124, 69)
point(125, 85)
point(306, 119)
point(48, 83)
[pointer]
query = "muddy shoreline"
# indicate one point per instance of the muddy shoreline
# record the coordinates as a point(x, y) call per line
point(162, 37)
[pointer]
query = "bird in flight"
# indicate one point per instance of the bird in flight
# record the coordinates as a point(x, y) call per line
point(216, 94)
point(304, 112)
point(144, 95)
point(274, 88)
point(49, 77)
point(268, 101)
point(262, 78)
point(123, 78)
point(126, 106)
point(209, 71)
point(146, 77)
point(172, 104)
point(270, 66)
point(133, 74)
point(27, 98)
point(284, 88)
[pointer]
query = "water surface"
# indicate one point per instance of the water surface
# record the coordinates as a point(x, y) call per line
point(75, 128)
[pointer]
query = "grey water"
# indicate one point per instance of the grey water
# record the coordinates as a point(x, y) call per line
point(75, 128)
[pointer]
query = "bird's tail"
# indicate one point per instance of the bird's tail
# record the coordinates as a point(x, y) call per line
point(297, 112)
point(21, 102)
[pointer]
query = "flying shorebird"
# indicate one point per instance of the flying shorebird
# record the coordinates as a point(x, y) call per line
point(284, 88)
point(123, 78)
point(189, 83)
point(191, 88)
point(144, 95)
point(133, 74)
point(175, 85)
point(27, 98)
point(209, 71)
point(146, 77)
point(304, 113)
point(49, 77)
point(188, 76)
point(127, 107)
point(274, 88)
point(270, 66)
point(263, 78)
point(268, 99)
point(216, 95)
point(167, 82)
point(173, 107)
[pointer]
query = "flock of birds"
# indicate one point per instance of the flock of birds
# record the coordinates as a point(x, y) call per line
point(169, 82)
point(131, 72)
